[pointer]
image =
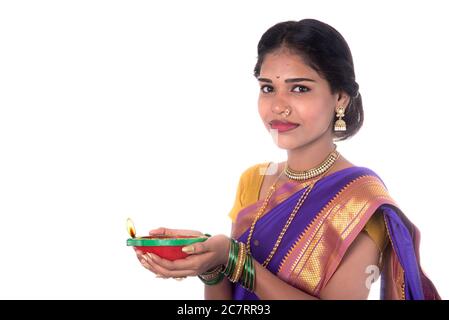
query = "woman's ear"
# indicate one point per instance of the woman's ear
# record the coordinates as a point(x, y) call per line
point(343, 100)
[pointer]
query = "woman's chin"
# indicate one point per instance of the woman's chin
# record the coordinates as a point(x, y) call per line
point(286, 145)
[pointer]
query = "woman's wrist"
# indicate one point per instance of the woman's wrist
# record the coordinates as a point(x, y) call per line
point(214, 275)
point(225, 257)
point(236, 264)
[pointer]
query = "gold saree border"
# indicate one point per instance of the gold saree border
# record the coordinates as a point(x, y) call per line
point(314, 257)
point(394, 273)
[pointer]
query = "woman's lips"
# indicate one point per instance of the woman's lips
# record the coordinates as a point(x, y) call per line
point(283, 126)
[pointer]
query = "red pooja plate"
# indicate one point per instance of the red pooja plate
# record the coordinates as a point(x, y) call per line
point(167, 247)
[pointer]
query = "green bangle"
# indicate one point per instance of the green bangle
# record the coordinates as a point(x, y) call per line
point(229, 263)
point(252, 275)
point(247, 280)
point(232, 260)
point(244, 279)
point(213, 281)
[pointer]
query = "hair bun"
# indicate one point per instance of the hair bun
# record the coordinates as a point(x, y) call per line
point(356, 90)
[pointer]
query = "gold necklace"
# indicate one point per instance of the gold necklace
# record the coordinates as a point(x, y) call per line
point(314, 172)
point(290, 218)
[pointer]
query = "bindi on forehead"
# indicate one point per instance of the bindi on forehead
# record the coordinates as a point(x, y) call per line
point(277, 77)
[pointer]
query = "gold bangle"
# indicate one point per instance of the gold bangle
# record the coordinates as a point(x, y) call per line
point(239, 267)
point(211, 274)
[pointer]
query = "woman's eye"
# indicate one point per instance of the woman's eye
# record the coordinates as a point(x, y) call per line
point(263, 87)
point(269, 89)
point(301, 88)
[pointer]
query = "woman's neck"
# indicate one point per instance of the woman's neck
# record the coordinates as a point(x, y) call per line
point(309, 156)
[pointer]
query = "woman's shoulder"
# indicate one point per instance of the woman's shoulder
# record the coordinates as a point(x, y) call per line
point(348, 170)
point(247, 187)
point(255, 171)
point(251, 180)
point(367, 171)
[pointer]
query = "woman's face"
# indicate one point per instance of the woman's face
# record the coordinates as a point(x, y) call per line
point(309, 100)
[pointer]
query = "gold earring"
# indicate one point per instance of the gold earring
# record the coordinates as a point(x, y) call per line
point(340, 124)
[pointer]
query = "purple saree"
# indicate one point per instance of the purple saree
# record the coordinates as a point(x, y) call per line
point(335, 212)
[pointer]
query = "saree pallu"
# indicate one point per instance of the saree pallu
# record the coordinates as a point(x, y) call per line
point(329, 220)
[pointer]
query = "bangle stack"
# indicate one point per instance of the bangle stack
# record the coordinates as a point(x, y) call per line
point(239, 268)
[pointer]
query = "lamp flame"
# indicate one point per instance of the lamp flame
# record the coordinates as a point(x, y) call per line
point(130, 227)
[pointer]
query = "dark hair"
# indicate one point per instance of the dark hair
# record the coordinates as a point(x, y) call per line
point(325, 50)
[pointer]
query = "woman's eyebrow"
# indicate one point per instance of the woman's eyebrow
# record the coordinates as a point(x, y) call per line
point(287, 80)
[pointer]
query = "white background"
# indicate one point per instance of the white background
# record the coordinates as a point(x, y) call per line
point(116, 109)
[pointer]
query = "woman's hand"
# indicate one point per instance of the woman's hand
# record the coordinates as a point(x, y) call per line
point(203, 256)
point(174, 232)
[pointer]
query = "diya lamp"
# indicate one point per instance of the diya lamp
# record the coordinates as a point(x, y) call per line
point(165, 246)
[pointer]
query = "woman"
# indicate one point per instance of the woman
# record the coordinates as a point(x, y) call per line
point(315, 226)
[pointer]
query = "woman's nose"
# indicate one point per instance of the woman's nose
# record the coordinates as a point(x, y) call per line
point(279, 108)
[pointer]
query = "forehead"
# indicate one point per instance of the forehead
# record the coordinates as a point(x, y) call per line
point(284, 64)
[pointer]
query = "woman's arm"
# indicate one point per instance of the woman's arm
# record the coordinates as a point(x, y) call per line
point(353, 278)
point(348, 282)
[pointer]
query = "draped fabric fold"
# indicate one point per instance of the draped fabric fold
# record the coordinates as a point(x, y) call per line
point(334, 213)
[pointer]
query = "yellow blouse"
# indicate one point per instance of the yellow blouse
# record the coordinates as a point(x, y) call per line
point(248, 192)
